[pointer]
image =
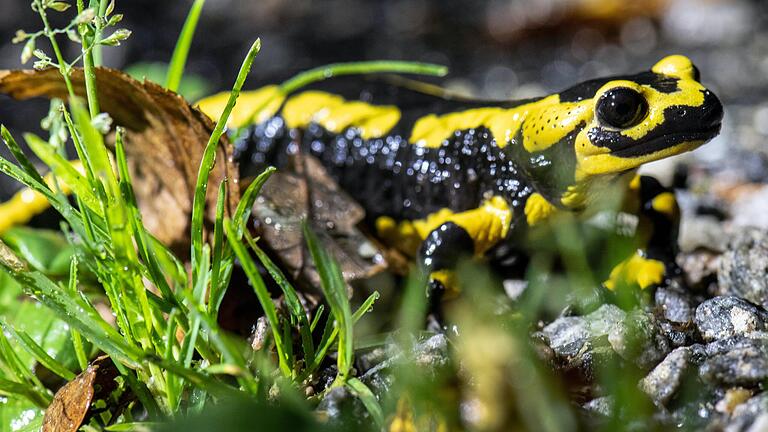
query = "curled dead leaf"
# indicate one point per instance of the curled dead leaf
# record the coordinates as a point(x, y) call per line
point(165, 140)
point(71, 404)
point(305, 190)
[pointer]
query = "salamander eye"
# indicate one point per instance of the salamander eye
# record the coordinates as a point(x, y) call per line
point(621, 108)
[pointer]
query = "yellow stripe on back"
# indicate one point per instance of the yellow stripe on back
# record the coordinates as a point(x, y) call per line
point(336, 114)
point(252, 106)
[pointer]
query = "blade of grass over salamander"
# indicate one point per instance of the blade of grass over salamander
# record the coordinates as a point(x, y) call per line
point(209, 155)
point(229, 349)
point(262, 293)
point(291, 298)
point(240, 220)
point(19, 155)
point(181, 51)
point(245, 206)
point(335, 291)
point(330, 332)
point(355, 68)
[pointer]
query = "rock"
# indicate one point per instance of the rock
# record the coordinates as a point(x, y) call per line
point(602, 320)
point(727, 316)
point(638, 338)
point(339, 407)
point(744, 266)
point(699, 267)
point(701, 232)
point(675, 304)
point(745, 365)
point(664, 380)
point(602, 405)
point(567, 335)
point(430, 354)
point(749, 209)
point(749, 416)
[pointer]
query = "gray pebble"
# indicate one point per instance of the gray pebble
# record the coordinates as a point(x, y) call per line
point(745, 365)
point(664, 380)
point(675, 304)
point(728, 316)
point(744, 266)
point(567, 335)
point(640, 339)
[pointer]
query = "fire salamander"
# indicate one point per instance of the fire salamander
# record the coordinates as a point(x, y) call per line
point(441, 177)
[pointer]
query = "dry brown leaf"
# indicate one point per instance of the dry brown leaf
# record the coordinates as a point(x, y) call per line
point(165, 140)
point(71, 404)
point(305, 190)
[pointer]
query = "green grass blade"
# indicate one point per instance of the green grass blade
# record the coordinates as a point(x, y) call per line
point(19, 155)
point(369, 400)
point(77, 341)
point(144, 245)
point(38, 353)
point(219, 249)
point(365, 67)
point(64, 171)
point(96, 152)
point(181, 51)
point(335, 291)
point(72, 309)
point(209, 155)
point(261, 292)
point(291, 298)
point(245, 206)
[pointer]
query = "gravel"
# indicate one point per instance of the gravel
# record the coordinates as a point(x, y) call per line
point(665, 379)
point(727, 316)
point(743, 267)
point(745, 365)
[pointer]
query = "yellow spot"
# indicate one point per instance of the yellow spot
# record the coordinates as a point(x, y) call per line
point(449, 281)
point(635, 183)
point(26, 203)
point(486, 225)
point(666, 204)
point(675, 65)
point(252, 106)
point(636, 271)
point(538, 209)
point(335, 114)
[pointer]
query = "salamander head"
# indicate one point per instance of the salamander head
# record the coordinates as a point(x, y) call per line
point(609, 126)
point(649, 116)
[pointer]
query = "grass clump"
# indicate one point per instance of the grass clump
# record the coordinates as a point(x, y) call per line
point(166, 342)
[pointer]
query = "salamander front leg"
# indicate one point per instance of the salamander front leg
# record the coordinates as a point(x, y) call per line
point(654, 261)
point(438, 256)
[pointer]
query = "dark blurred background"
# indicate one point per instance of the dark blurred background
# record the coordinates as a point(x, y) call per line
point(497, 48)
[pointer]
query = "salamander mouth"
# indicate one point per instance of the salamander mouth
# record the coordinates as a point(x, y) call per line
point(666, 141)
